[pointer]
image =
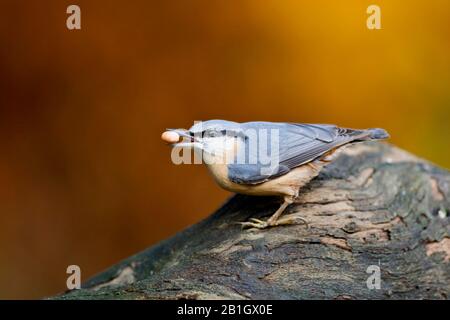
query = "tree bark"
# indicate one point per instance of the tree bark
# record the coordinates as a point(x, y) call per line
point(375, 207)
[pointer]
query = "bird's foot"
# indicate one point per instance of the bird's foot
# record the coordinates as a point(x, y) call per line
point(254, 223)
point(261, 224)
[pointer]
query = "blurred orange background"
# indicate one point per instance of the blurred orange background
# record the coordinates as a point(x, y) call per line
point(84, 176)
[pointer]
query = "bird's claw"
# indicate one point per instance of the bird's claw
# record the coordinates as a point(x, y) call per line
point(259, 221)
point(254, 223)
point(261, 224)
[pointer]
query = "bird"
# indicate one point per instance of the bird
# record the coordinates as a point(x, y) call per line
point(262, 158)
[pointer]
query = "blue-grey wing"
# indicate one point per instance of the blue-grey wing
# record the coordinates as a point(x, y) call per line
point(298, 144)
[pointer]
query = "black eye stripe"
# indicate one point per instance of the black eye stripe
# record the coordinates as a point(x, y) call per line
point(211, 132)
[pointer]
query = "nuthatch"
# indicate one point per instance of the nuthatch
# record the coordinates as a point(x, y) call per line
point(266, 158)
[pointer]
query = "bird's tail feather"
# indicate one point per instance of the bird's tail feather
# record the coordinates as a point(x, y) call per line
point(370, 134)
point(377, 134)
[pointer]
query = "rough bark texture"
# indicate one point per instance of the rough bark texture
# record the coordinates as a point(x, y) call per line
point(374, 205)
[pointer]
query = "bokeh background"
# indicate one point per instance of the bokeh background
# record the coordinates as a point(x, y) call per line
point(84, 176)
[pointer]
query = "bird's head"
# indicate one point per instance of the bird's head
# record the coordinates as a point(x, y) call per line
point(216, 140)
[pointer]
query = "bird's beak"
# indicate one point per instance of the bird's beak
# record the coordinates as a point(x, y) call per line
point(187, 140)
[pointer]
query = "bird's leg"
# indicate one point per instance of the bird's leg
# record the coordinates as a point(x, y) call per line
point(273, 220)
point(311, 170)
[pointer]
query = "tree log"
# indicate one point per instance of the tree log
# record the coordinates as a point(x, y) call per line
point(375, 206)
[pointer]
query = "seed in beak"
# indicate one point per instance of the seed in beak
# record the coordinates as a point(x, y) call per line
point(170, 136)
